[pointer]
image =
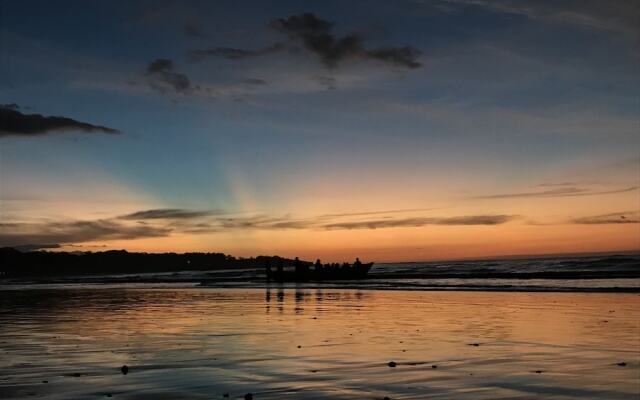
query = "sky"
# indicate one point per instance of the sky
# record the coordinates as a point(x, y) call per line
point(391, 131)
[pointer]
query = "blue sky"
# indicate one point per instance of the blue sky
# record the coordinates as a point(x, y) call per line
point(507, 96)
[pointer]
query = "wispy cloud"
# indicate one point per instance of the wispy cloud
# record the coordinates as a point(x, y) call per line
point(74, 231)
point(169, 213)
point(625, 217)
point(316, 36)
point(560, 192)
point(15, 123)
point(422, 221)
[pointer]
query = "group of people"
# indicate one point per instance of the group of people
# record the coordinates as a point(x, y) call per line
point(318, 266)
point(302, 268)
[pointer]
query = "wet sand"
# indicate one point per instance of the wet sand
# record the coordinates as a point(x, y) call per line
point(317, 344)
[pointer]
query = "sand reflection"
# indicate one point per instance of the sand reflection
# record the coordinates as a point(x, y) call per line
point(318, 343)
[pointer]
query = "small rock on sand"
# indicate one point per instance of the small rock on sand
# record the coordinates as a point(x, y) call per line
point(225, 395)
point(392, 364)
point(124, 369)
point(248, 396)
point(621, 364)
point(434, 366)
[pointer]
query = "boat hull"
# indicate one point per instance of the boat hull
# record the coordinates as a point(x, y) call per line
point(350, 273)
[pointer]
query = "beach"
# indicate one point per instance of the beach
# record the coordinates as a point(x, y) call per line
point(317, 343)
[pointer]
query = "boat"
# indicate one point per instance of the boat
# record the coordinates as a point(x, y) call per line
point(351, 272)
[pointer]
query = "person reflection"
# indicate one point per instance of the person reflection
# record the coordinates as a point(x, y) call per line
point(280, 299)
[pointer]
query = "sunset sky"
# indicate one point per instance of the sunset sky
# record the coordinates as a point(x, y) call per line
point(389, 130)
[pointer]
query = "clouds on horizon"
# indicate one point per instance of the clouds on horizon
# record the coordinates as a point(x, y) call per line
point(15, 123)
point(164, 222)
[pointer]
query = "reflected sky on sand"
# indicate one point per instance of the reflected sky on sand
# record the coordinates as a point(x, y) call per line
point(317, 343)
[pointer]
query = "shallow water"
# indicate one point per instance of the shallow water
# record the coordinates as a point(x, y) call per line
point(202, 343)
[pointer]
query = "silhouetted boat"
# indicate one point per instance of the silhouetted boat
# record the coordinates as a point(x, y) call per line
point(322, 274)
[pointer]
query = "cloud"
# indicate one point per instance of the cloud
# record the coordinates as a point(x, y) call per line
point(61, 232)
point(315, 35)
point(560, 192)
point(15, 123)
point(164, 77)
point(168, 213)
point(625, 217)
point(422, 221)
point(164, 222)
point(264, 222)
point(203, 221)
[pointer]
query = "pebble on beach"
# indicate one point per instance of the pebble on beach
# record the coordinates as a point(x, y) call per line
point(124, 369)
point(225, 395)
point(248, 396)
point(621, 364)
point(392, 364)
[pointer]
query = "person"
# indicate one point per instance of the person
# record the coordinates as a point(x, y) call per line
point(357, 263)
point(296, 265)
point(268, 267)
point(280, 266)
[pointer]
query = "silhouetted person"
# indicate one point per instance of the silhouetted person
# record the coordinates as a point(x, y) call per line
point(268, 267)
point(357, 263)
point(280, 267)
point(297, 266)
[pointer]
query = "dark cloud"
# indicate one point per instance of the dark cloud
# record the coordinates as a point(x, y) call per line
point(421, 221)
point(627, 217)
point(560, 192)
point(165, 78)
point(61, 232)
point(315, 35)
point(168, 213)
point(15, 123)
